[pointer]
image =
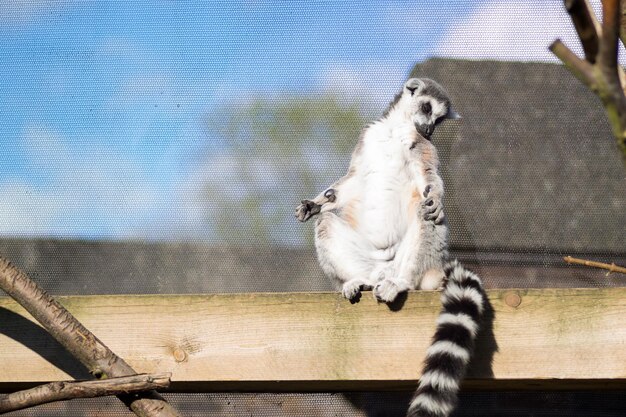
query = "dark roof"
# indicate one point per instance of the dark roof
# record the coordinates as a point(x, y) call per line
point(81, 267)
point(533, 164)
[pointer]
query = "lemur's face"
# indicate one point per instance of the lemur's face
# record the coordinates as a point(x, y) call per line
point(428, 104)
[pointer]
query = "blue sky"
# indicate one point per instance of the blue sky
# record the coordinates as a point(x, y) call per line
point(103, 102)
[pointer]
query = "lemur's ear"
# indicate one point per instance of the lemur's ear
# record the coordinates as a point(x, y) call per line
point(453, 115)
point(413, 85)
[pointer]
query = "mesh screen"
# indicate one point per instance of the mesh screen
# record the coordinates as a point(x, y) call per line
point(366, 404)
point(161, 147)
point(141, 157)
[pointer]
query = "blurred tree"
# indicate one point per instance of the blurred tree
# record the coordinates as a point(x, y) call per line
point(270, 154)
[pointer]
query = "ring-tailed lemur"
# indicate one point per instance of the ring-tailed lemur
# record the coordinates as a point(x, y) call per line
point(382, 227)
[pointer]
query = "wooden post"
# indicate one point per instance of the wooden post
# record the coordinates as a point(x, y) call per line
point(537, 339)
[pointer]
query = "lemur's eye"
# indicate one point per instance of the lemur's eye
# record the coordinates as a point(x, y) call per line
point(426, 108)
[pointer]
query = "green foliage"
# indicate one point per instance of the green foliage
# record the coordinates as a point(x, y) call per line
point(270, 154)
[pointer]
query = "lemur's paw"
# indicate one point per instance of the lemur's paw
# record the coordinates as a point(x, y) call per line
point(351, 289)
point(432, 207)
point(307, 209)
point(386, 291)
point(432, 210)
point(310, 208)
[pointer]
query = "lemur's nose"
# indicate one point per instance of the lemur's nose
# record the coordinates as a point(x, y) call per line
point(427, 129)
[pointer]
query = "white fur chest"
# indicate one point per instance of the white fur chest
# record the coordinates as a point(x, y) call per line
point(391, 178)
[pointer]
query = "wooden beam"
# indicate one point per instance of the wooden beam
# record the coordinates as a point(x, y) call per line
point(537, 339)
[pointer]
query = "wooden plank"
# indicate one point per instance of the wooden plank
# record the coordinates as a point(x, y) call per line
point(554, 338)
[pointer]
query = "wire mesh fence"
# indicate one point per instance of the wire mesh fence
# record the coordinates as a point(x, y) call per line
point(157, 188)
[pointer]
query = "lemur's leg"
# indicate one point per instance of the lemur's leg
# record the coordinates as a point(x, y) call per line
point(433, 251)
point(343, 254)
point(421, 255)
point(398, 276)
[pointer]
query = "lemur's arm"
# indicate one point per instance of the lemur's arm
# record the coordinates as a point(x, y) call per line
point(333, 196)
point(433, 192)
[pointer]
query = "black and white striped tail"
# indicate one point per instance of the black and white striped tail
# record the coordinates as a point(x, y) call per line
point(449, 354)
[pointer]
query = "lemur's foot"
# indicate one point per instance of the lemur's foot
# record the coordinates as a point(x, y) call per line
point(432, 207)
point(352, 288)
point(386, 291)
point(444, 283)
point(307, 209)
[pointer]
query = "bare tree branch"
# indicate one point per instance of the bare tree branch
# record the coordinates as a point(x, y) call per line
point(599, 71)
point(67, 390)
point(612, 92)
point(622, 30)
point(610, 267)
point(581, 69)
point(80, 342)
point(610, 30)
point(586, 25)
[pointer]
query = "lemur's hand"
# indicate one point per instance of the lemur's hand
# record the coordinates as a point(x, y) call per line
point(432, 207)
point(307, 209)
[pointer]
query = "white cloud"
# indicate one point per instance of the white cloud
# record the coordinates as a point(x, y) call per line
point(371, 85)
point(87, 190)
point(511, 30)
point(20, 12)
point(25, 210)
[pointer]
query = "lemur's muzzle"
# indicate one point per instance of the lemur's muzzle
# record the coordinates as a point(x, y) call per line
point(426, 130)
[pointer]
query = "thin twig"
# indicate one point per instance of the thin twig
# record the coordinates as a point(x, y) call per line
point(67, 390)
point(611, 267)
point(80, 342)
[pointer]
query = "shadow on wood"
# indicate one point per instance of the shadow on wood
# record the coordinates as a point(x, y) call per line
point(39, 341)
